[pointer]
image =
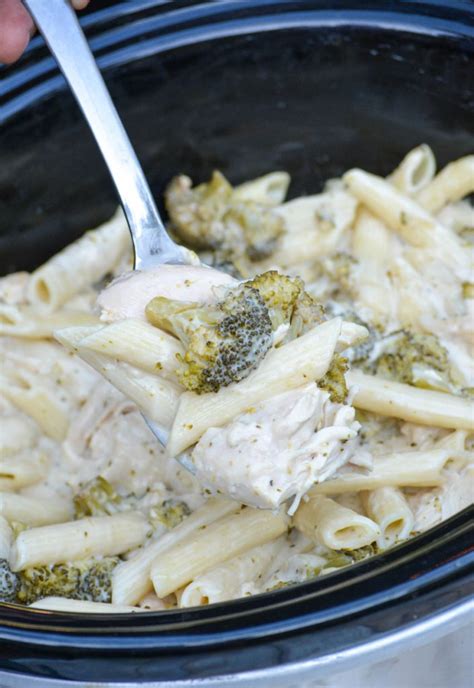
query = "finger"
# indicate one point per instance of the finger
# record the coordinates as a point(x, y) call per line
point(16, 27)
point(80, 4)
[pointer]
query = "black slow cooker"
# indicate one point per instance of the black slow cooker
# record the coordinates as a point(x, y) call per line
point(309, 86)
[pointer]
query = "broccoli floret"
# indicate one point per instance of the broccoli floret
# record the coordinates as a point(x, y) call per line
point(99, 498)
point(212, 216)
point(89, 580)
point(170, 513)
point(415, 359)
point(288, 302)
point(307, 313)
point(338, 269)
point(334, 381)
point(341, 558)
point(337, 560)
point(224, 342)
point(9, 583)
point(220, 260)
point(363, 552)
point(280, 294)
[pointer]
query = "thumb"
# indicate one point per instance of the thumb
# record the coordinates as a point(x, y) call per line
point(16, 27)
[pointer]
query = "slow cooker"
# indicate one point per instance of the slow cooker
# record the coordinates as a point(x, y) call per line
point(313, 87)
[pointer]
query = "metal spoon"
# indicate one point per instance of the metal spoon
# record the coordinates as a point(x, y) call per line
point(57, 22)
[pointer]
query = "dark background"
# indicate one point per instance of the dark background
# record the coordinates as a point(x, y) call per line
point(314, 98)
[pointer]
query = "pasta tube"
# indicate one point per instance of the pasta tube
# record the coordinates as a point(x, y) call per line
point(25, 321)
point(388, 507)
point(79, 265)
point(62, 604)
point(131, 579)
point(372, 246)
point(39, 403)
point(222, 540)
point(33, 511)
point(415, 171)
point(75, 540)
point(227, 581)
point(138, 343)
point(156, 397)
point(314, 226)
point(455, 181)
point(335, 526)
point(268, 190)
point(406, 217)
point(402, 469)
point(398, 400)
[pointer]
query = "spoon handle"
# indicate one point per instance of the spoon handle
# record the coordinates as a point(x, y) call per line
point(61, 30)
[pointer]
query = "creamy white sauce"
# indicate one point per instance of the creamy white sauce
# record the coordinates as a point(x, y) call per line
point(431, 506)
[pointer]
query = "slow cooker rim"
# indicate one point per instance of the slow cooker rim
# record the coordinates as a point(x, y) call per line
point(417, 562)
point(383, 644)
point(427, 17)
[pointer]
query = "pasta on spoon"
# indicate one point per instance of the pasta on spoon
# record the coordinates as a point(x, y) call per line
point(251, 351)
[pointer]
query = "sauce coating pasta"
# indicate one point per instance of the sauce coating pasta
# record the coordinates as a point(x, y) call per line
point(353, 430)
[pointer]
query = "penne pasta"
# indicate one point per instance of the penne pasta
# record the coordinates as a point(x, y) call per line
point(351, 335)
point(335, 526)
point(138, 343)
point(403, 469)
point(39, 403)
point(415, 171)
point(388, 507)
point(220, 541)
point(229, 580)
point(372, 247)
point(25, 321)
point(268, 190)
point(406, 217)
point(156, 397)
point(131, 579)
point(455, 443)
point(62, 604)
point(314, 226)
point(371, 241)
point(79, 265)
point(292, 365)
point(33, 511)
point(413, 404)
point(451, 184)
point(75, 540)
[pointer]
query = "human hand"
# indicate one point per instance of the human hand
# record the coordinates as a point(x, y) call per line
point(17, 27)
